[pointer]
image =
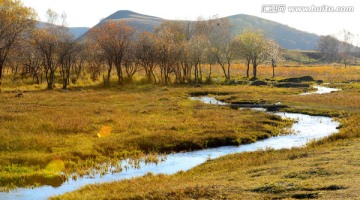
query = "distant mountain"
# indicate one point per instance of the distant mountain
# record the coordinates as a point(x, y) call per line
point(138, 21)
point(75, 31)
point(286, 36)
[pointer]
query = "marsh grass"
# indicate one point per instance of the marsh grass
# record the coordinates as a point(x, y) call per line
point(89, 127)
point(139, 119)
point(325, 169)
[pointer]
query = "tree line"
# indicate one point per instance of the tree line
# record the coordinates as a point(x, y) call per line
point(176, 52)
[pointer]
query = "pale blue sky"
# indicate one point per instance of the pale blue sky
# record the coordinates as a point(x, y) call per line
point(89, 12)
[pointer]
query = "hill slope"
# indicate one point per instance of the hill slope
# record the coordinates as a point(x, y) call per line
point(286, 36)
point(138, 21)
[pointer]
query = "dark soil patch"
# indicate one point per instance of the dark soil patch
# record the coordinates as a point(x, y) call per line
point(291, 85)
point(259, 83)
point(298, 79)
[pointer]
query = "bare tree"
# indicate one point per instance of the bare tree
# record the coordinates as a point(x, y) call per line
point(145, 53)
point(169, 48)
point(15, 19)
point(47, 41)
point(54, 44)
point(31, 59)
point(130, 62)
point(221, 43)
point(94, 58)
point(197, 48)
point(346, 47)
point(67, 54)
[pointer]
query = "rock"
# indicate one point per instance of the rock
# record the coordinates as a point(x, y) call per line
point(258, 83)
point(319, 81)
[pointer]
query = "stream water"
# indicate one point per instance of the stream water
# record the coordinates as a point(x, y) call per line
point(321, 90)
point(305, 129)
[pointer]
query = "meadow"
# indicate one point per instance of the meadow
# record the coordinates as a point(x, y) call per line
point(45, 132)
point(81, 129)
point(310, 172)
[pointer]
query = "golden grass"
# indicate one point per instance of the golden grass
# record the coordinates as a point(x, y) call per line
point(88, 125)
point(327, 73)
point(327, 169)
point(85, 128)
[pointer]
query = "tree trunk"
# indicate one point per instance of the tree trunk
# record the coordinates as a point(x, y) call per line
point(200, 74)
point(50, 80)
point(107, 81)
point(209, 76)
point(119, 74)
point(65, 83)
point(254, 70)
point(224, 71)
point(273, 67)
point(154, 77)
point(273, 70)
point(196, 74)
point(228, 69)
point(248, 68)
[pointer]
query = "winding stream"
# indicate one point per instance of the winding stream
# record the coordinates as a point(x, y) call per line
point(306, 128)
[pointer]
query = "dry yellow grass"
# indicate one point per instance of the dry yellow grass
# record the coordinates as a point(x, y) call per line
point(44, 126)
point(328, 73)
point(328, 169)
point(85, 128)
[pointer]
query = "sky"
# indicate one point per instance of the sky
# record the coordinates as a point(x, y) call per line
point(87, 13)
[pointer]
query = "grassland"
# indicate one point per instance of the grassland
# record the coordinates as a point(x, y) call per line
point(83, 128)
point(327, 169)
point(47, 132)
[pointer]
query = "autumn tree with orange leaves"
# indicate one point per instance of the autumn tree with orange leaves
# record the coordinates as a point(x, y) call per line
point(114, 39)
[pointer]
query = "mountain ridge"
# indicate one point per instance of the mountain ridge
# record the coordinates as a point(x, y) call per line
point(286, 36)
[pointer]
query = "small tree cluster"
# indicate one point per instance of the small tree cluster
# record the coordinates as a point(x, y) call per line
point(255, 48)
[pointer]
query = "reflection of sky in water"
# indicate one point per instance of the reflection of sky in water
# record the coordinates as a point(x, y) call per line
point(208, 100)
point(321, 90)
point(307, 128)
